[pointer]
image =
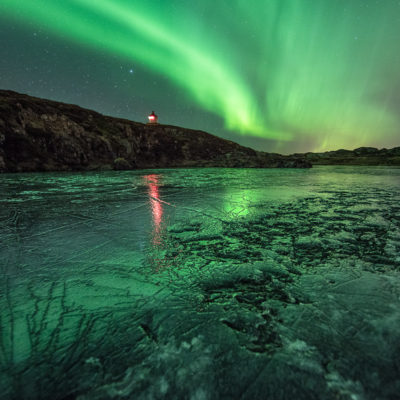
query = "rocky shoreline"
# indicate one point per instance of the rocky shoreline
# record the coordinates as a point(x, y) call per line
point(43, 135)
point(359, 156)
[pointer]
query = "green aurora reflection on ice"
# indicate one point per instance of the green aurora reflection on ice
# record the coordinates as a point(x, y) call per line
point(303, 75)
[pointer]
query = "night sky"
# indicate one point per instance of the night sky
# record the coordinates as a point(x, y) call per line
point(276, 75)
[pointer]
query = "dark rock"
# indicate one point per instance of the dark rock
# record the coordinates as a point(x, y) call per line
point(121, 164)
point(394, 152)
point(359, 156)
point(365, 150)
point(2, 164)
point(43, 135)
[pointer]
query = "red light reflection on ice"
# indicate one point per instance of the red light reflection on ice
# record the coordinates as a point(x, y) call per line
point(156, 205)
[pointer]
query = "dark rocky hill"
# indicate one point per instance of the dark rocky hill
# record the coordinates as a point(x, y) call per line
point(43, 135)
point(360, 156)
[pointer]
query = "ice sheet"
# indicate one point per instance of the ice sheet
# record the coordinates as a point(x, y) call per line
point(201, 284)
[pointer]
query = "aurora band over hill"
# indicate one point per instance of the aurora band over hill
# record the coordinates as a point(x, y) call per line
point(294, 71)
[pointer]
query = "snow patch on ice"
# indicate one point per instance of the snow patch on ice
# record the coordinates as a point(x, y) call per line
point(346, 389)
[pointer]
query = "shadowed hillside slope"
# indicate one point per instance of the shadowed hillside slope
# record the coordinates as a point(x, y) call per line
point(43, 135)
point(360, 156)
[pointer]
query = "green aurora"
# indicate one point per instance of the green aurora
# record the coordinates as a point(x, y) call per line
point(320, 74)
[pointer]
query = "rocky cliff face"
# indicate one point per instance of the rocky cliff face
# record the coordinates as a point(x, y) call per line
point(360, 156)
point(42, 135)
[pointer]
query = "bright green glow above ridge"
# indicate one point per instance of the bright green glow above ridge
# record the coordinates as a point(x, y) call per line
point(321, 72)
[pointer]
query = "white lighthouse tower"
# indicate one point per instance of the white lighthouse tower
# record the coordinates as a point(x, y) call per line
point(153, 119)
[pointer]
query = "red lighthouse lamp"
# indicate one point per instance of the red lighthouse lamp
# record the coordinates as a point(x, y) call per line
point(153, 118)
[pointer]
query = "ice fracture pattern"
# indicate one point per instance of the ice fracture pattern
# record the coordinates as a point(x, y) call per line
point(201, 284)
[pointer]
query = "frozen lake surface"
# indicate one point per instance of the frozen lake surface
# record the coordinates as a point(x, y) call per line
point(201, 284)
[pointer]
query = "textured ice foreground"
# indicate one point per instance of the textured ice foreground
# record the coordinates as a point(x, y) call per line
point(201, 284)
